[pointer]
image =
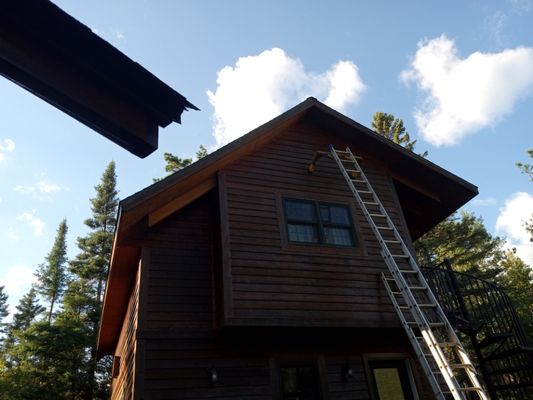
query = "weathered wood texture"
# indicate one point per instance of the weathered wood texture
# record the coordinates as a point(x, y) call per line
point(181, 256)
point(181, 344)
point(268, 281)
point(123, 384)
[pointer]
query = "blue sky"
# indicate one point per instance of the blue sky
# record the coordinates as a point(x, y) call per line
point(459, 73)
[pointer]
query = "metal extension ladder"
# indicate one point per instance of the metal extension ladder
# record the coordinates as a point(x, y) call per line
point(439, 351)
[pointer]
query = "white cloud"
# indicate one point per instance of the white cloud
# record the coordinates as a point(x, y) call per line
point(17, 281)
point(260, 87)
point(41, 190)
point(464, 95)
point(518, 208)
point(36, 224)
point(6, 146)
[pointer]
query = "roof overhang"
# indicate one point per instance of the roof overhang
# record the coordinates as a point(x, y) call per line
point(421, 185)
point(57, 58)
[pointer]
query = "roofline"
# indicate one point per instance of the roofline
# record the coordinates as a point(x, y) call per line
point(137, 209)
point(59, 59)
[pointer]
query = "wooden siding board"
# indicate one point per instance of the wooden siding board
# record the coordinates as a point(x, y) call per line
point(123, 385)
point(266, 277)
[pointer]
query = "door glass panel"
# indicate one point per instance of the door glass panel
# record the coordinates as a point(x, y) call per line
point(391, 379)
point(388, 384)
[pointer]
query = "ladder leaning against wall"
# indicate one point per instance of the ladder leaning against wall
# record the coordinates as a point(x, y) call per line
point(445, 362)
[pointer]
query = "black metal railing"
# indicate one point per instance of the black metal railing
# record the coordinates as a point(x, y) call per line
point(482, 313)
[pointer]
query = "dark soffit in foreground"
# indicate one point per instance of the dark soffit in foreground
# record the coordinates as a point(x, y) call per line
point(57, 58)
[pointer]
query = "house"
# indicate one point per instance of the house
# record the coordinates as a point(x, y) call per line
point(57, 58)
point(246, 276)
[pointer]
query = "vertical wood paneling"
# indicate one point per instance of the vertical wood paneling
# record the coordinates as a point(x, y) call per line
point(123, 385)
point(272, 282)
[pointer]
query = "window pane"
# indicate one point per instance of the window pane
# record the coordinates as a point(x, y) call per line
point(300, 211)
point(299, 383)
point(303, 233)
point(339, 215)
point(338, 236)
point(388, 384)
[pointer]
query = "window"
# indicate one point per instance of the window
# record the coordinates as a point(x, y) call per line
point(299, 382)
point(391, 380)
point(319, 223)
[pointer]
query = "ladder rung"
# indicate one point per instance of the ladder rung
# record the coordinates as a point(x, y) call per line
point(420, 305)
point(431, 324)
point(418, 287)
point(469, 389)
point(400, 255)
point(392, 241)
point(447, 344)
point(376, 215)
point(352, 170)
point(364, 191)
point(461, 366)
point(408, 271)
point(371, 203)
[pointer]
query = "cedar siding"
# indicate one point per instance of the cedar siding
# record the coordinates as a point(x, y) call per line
point(270, 282)
point(181, 342)
point(123, 384)
point(220, 289)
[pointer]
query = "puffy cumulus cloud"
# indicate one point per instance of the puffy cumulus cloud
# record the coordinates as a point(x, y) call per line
point(260, 87)
point(6, 146)
point(17, 281)
point(463, 95)
point(36, 224)
point(517, 209)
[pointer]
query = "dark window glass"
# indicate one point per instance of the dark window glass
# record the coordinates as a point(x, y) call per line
point(300, 211)
point(299, 383)
point(312, 222)
point(303, 233)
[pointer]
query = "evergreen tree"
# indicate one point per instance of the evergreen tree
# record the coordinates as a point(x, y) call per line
point(52, 275)
point(517, 281)
point(43, 362)
point(28, 310)
point(465, 241)
point(83, 300)
point(175, 163)
point(393, 129)
point(528, 170)
point(4, 311)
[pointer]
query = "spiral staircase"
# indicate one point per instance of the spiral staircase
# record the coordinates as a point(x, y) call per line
point(483, 315)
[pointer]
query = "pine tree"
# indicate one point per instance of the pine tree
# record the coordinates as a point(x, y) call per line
point(393, 129)
point(175, 163)
point(83, 300)
point(527, 169)
point(28, 310)
point(465, 241)
point(52, 275)
point(517, 281)
point(4, 311)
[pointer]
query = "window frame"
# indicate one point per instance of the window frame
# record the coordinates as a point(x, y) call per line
point(278, 361)
point(320, 224)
